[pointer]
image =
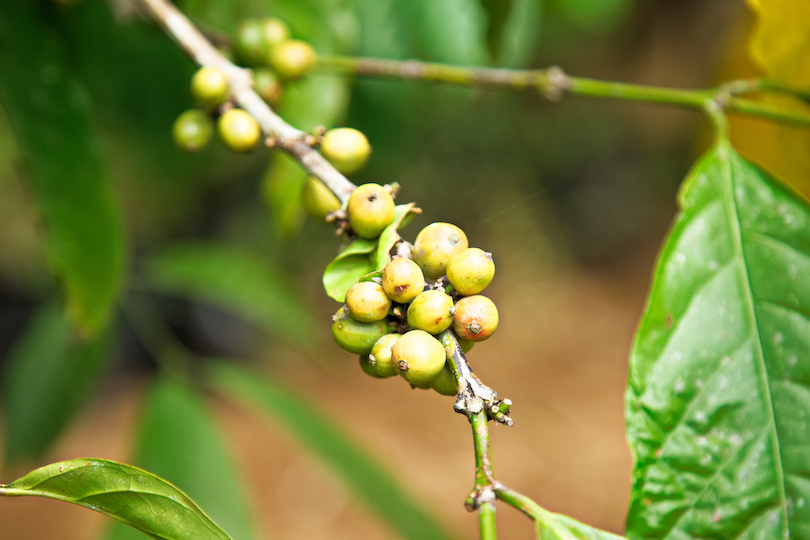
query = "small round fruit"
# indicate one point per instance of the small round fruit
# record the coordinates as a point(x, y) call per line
point(367, 302)
point(402, 280)
point(293, 58)
point(476, 318)
point(435, 245)
point(355, 336)
point(418, 357)
point(317, 199)
point(238, 130)
point(346, 148)
point(371, 209)
point(192, 130)
point(250, 44)
point(471, 271)
point(367, 365)
point(445, 383)
point(267, 85)
point(465, 344)
point(431, 311)
point(275, 31)
point(209, 86)
point(382, 355)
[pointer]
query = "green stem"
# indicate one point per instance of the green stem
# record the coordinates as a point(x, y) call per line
point(483, 495)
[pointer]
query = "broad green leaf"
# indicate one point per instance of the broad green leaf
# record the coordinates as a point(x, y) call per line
point(451, 30)
point(350, 265)
point(369, 481)
point(718, 399)
point(233, 280)
point(180, 442)
point(50, 373)
point(512, 29)
point(50, 114)
point(780, 43)
point(129, 494)
point(389, 236)
point(598, 16)
point(560, 527)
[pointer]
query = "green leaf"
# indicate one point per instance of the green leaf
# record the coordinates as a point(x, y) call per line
point(369, 481)
point(451, 30)
point(129, 494)
point(49, 376)
point(180, 442)
point(718, 397)
point(50, 114)
point(597, 16)
point(234, 280)
point(342, 273)
point(520, 34)
point(560, 527)
point(389, 236)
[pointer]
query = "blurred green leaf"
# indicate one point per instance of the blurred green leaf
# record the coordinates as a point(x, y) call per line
point(717, 399)
point(50, 374)
point(128, 494)
point(50, 114)
point(349, 266)
point(597, 16)
point(390, 236)
point(560, 527)
point(233, 280)
point(521, 31)
point(369, 481)
point(180, 442)
point(451, 30)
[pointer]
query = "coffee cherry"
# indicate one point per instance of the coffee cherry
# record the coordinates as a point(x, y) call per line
point(367, 302)
point(471, 271)
point(402, 280)
point(435, 245)
point(192, 130)
point(274, 31)
point(382, 355)
point(293, 58)
point(209, 86)
point(238, 130)
point(367, 365)
point(418, 357)
point(445, 383)
point(267, 85)
point(465, 344)
point(317, 199)
point(476, 318)
point(371, 209)
point(250, 44)
point(346, 148)
point(355, 336)
point(431, 311)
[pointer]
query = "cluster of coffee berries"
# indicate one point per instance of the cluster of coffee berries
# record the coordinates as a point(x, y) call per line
point(264, 45)
point(391, 318)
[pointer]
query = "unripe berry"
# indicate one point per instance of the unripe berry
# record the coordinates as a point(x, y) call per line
point(346, 149)
point(267, 85)
point(418, 357)
point(402, 280)
point(435, 245)
point(192, 130)
point(250, 44)
point(209, 86)
point(318, 200)
point(445, 382)
point(238, 130)
point(465, 344)
point(471, 271)
point(371, 209)
point(476, 318)
point(367, 365)
point(431, 311)
point(275, 31)
point(293, 58)
point(355, 336)
point(367, 302)
point(382, 355)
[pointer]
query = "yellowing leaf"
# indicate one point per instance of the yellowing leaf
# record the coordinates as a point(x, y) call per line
point(781, 41)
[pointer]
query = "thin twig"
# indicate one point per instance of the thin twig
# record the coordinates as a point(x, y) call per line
point(284, 136)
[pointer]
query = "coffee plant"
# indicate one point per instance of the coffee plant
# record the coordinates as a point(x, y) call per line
point(717, 400)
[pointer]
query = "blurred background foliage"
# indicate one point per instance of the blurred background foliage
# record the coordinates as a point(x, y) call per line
point(123, 261)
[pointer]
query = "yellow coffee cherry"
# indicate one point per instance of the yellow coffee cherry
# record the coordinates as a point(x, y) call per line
point(292, 59)
point(238, 130)
point(471, 271)
point(402, 280)
point(209, 86)
point(318, 200)
point(476, 318)
point(382, 355)
point(435, 245)
point(367, 302)
point(370, 209)
point(418, 357)
point(346, 149)
point(192, 130)
point(431, 311)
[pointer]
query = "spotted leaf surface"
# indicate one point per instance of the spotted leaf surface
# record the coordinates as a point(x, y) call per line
point(718, 397)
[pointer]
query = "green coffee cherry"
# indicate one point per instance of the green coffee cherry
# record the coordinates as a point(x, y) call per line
point(445, 382)
point(274, 31)
point(346, 148)
point(471, 271)
point(435, 245)
point(292, 59)
point(317, 199)
point(250, 43)
point(267, 85)
point(402, 280)
point(192, 130)
point(355, 336)
point(431, 311)
point(418, 357)
point(238, 130)
point(367, 302)
point(382, 355)
point(371, 209)
point(209, 86)
point(466, 345)
point(367, 365)
point(476, 318)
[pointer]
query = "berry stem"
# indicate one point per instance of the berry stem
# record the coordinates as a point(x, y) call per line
point(284, 136)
